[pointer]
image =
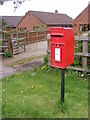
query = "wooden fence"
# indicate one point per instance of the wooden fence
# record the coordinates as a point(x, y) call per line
point(24, 37)
point(30, 36)
point(83, 53)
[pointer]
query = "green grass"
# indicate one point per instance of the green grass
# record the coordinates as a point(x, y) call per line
point(36, 94)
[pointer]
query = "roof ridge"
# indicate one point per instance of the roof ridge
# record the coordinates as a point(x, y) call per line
point(46, 12)
point(12, 16)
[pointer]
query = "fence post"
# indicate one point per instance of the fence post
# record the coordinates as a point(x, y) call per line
point(17, 35)
point(85, 50)
point(28, 37)
point(44, 35)
point(36, 36)
point(10, 43)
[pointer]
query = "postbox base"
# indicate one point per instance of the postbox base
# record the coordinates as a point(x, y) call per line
point(57, 66)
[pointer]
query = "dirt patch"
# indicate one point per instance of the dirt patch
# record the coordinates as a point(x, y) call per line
point(33, 64)
point(29, 65)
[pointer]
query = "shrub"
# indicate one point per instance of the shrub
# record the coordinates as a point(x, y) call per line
point(8, 54)
point(46, 60)
point(89, 34)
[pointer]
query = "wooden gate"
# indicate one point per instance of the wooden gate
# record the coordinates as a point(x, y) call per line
point(18, 45)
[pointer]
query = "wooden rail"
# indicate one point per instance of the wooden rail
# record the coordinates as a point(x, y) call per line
point(3, 47)
point(2, 53)
point(82, 54)
point(78, 69)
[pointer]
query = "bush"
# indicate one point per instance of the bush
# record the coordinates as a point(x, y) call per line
point(88, 34)
point(46, 60)
point(8, 54)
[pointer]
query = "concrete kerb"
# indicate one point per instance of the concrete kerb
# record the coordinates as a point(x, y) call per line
point(6, 71)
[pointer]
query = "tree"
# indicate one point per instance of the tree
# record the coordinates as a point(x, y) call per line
point(16, 3)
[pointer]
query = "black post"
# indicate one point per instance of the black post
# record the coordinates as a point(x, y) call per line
point(62, 85)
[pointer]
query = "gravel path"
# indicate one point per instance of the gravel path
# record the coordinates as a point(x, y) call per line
point(34, 49)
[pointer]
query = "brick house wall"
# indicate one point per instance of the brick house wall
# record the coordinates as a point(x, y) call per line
point(29, 21)
point(81, 19)
point(9, 29)
point(89, 13)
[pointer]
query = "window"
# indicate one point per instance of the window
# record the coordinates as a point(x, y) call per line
point(70, 26)
point(84, 27)
point(66, 25)
point(89, 27)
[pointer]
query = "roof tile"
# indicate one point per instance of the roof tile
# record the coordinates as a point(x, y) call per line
point(52, 18)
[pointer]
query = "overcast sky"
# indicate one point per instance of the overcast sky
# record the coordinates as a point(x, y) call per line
point(69, 7)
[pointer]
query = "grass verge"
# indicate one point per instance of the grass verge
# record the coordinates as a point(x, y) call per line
point(36, 94)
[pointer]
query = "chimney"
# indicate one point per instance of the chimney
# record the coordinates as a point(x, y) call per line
point(56, 11)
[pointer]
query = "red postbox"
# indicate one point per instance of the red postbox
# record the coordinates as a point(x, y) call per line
point(62, 47)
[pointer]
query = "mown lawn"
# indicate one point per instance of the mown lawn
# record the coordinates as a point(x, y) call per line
point(36, 94)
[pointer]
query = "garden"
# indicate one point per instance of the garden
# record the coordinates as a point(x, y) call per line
point(36, 93)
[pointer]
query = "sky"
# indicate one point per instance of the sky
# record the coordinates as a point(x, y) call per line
point(70, 7)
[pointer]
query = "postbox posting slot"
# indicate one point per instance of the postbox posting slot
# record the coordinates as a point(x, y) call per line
point(55, 35)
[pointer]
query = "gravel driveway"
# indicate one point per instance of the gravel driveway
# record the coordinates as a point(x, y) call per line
point(34, 49)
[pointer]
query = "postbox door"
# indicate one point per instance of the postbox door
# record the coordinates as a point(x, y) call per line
point(57, 52)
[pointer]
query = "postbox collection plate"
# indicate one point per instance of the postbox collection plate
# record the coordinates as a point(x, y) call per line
point(57, 54)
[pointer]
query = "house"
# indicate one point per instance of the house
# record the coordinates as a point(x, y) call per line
point(44, 20)
point(9, 23)
point(82, 22)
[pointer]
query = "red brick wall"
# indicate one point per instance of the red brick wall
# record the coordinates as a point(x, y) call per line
point(29, 21)
point(89, 14)
point(82, 18)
